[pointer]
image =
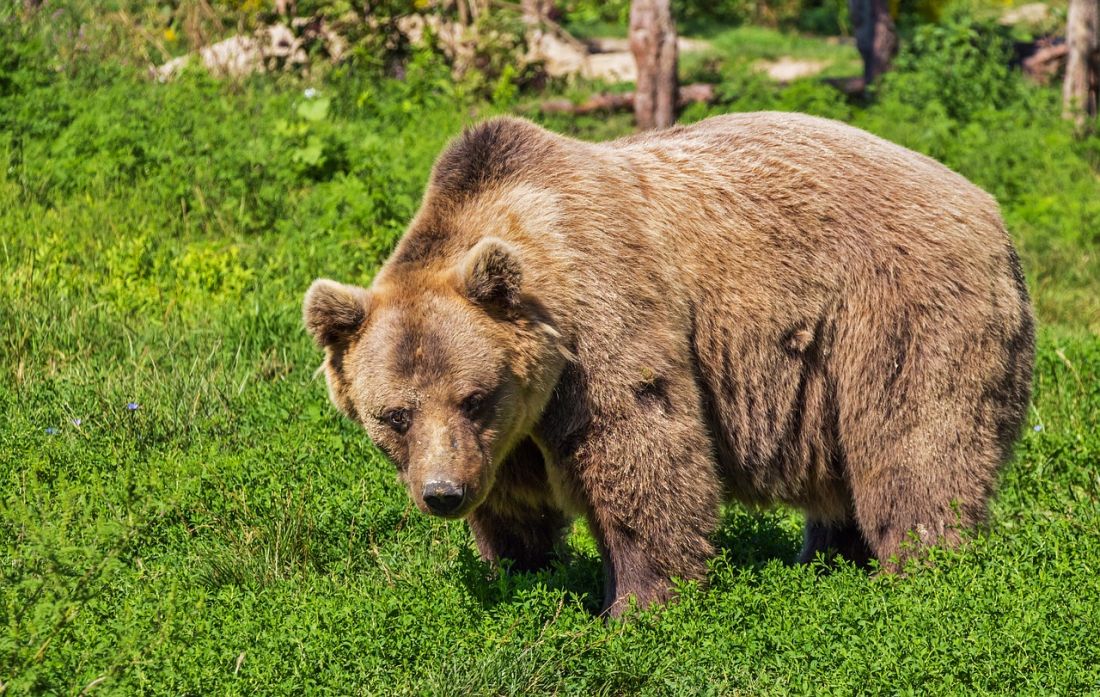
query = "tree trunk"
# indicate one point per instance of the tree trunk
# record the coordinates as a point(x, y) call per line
point(535, 11)
point(876, 37)
point(653, 43)
point(1079, 92)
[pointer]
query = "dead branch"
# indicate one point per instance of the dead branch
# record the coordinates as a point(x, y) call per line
point(699, 92)
point(1045, 63)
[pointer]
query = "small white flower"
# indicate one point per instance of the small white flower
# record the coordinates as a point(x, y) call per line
point(309, 93)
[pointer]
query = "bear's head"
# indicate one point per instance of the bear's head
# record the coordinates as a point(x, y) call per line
point(447, 368)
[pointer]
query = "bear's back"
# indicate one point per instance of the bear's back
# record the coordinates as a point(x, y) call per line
point(808, 169)
point(770, 195)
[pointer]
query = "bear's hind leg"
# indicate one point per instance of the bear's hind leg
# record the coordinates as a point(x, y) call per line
point(929, 398)
point(904, 510)
point(831, 538)
point(929, 478)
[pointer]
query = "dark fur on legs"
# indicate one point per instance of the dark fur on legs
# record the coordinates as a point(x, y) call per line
point(832, 539)
point(518, 522)
point(648, 534)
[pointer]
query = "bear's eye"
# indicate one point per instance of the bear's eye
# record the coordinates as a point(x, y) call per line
point(472, 405)
point(397, 419)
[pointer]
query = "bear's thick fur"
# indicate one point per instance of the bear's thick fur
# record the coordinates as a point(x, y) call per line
point(765, 307)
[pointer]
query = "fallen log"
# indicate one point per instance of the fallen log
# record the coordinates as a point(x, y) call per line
point(849, 86)
point(1045, 63)
point(699, 92)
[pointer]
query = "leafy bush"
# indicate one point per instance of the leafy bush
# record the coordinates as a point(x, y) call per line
point(695, 17)
point(825, 17)
point(960, 67)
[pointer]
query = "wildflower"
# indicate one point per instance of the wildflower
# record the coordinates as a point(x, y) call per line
point(132, 406)
point(51, 431)
point(1038, 427)
point(170, 34)
point(76, 421)
point(309, 93)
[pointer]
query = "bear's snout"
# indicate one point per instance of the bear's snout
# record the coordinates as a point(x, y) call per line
point(444, 497)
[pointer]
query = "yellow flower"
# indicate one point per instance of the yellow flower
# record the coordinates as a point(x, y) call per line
point(170, 34)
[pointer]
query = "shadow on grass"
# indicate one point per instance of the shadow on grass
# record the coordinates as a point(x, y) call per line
point(744, 539)
point(579, 575)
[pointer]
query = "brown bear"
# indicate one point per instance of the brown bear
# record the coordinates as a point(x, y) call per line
point(766, 307)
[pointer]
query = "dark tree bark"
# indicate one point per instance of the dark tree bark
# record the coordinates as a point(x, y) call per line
point(1079, 92)
point(653, 43)
point(876, 36)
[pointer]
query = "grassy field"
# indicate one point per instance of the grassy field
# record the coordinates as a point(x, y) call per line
point(749, 44)
point(182, 512)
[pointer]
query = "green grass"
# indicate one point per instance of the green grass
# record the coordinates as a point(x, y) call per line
point(234, 535)
point(751, 45)
point(762, 42)
point(599, 30)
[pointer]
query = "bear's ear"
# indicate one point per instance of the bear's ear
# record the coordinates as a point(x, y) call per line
point(491, 274)
point(333, 311)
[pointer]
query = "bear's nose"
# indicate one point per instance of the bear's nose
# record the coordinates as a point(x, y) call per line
point(443, 497)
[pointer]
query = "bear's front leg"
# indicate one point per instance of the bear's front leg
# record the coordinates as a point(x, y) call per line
point(652, 494)
point(519, 521)
point(525, 535)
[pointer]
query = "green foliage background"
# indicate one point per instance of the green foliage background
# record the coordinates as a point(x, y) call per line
point(232, 534)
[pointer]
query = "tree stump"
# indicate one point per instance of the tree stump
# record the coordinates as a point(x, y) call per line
point(653, 43)
point(1079, 91)
point(876, 36)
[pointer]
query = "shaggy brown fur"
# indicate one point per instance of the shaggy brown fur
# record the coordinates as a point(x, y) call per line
point(765, 307)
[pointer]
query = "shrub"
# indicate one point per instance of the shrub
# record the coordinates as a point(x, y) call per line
point(959, 68)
